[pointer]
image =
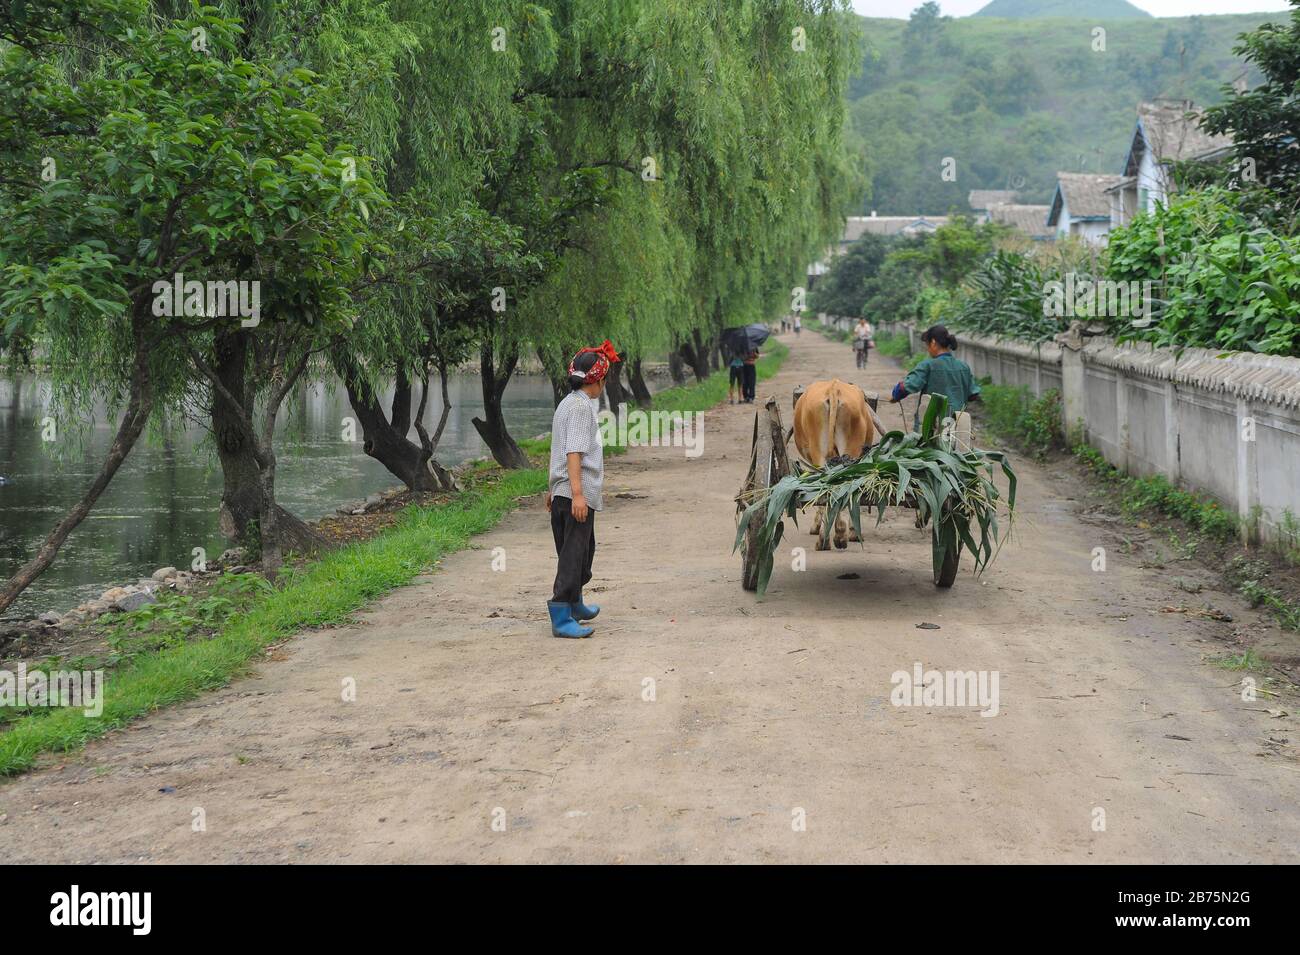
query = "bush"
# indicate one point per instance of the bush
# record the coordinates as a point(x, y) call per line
point(1221, 281)
point(1143, 494)
point(894, 346)
point(1033, 423)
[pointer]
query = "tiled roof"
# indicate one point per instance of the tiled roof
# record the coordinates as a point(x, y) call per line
point(986, 199)
point(1031, 220)
point(1172, 131)
point(1085, 193)
point(858, 226)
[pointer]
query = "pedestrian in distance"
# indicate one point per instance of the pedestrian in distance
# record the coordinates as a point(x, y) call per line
point(735, 379)
point(750, 373)
point(863, 341)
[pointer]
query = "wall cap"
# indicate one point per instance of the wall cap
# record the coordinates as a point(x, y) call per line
point(1274, 379)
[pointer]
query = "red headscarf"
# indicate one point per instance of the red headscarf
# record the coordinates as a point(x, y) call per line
point(605, 354)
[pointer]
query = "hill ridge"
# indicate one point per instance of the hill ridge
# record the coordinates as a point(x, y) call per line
point(1042, 9)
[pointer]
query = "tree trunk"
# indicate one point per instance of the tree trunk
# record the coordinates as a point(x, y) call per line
point(241, 495)
point(676, 368)
point(492, 426)
point(640, 391)
point(280, 386)
point(694, 355)
point(384, 436)
point(429, 445)
point(614, 386)
point(271, 551)
point(559, 386)
point(138, 408)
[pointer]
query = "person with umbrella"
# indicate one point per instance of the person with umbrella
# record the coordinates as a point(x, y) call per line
point(735, 378)
point(743, 343)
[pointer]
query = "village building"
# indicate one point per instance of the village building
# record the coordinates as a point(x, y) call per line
point(858, 226)
point(855, 227)
point(1167, 131)
point(1030, 221)
point(981, 201)
point(1081, 206)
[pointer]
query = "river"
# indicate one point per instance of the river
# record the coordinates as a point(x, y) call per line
point(163, 501)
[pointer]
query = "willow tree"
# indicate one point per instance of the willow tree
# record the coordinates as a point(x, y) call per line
point(712, 136)
point(148, 174)
point(352, 48)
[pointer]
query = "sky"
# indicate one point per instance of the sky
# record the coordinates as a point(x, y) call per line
point(1159, 8)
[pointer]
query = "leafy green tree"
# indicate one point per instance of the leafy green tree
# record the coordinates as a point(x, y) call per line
point(843, 289)
point(924, 27)
point(1264, 123)
point(1220, 280)
point(168, 156)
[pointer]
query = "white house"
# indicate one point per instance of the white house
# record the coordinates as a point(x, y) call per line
point(1081, 206)
point(1167, 131)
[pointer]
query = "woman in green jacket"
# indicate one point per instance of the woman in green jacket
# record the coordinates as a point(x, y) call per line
point(942, 373)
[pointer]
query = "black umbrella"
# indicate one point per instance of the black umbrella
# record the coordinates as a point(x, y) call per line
point(745, 339)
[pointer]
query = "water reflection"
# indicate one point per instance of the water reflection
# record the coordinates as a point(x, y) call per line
point(163, 501)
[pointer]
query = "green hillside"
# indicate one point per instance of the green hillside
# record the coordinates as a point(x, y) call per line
point(1014, 101)
point(1037, 9)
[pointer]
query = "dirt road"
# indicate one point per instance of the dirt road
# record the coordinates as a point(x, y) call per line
point(770, 735)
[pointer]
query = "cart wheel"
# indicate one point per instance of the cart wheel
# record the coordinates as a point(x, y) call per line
point(767, 465)
point(748, 557)
point(947, 574)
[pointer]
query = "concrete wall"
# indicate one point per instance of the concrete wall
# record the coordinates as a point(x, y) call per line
point(1226, 426)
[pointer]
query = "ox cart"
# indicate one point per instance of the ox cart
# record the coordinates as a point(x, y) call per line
point(769, 463)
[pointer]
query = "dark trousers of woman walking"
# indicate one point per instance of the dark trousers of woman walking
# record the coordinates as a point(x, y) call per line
point(749, 381)
point(575, 546)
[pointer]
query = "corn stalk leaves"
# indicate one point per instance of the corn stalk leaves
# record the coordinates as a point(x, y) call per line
point(953, 490)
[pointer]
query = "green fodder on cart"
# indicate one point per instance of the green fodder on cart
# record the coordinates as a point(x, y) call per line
point(953, 489)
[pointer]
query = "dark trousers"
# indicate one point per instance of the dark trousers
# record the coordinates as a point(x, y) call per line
point(749, 381)
point(575, 546)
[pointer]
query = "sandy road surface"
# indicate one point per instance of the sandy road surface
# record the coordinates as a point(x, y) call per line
point(764, 711)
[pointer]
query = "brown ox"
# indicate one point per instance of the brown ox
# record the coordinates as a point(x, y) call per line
point(831, 419)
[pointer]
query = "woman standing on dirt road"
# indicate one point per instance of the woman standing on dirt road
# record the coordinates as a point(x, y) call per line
point(573, 495)
point(941, 374)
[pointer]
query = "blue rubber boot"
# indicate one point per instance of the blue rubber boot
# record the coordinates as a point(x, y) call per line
point(562, 622)
point(582, 611)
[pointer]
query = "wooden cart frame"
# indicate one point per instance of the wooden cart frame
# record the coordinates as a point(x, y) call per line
point(769, 462)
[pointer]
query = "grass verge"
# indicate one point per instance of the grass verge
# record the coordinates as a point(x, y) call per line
point(320, 593)
point(1013, 414)
point(323, 592)
point(1212, 533)
point(829, 331)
